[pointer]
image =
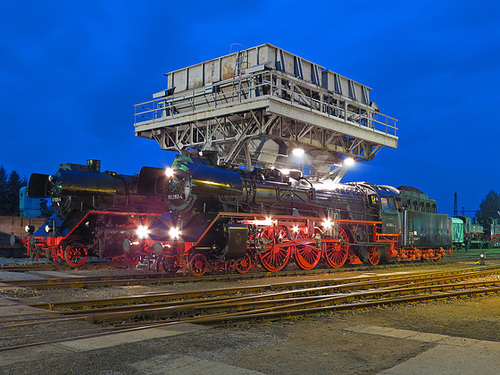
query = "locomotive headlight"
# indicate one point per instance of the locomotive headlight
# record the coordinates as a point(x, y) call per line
point(142, 231)
point(29, 229)
point(174, 233)
point(169, 172)
point(48, 228)
point(268, 221)
point(327, 224)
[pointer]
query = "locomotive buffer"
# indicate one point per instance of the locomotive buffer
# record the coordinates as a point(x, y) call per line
point(255, 106)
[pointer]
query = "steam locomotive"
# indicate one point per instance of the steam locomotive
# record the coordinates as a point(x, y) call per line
point(197, 216)
point(92, 211)
point(230, 219)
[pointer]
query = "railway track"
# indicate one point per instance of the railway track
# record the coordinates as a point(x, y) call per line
point(152, 277)
point(271, 301)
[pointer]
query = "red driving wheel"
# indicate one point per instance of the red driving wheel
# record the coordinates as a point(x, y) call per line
point(275, 257)
point(336, 252)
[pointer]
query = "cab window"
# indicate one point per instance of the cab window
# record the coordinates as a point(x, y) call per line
point(384, 203)
point(388, 204)
point(392, 205)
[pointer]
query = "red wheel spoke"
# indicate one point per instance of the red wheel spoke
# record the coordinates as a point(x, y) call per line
point(76, 254)
point(244, 265)
point(307, 256)
point(198, 264)
point(336, 252)
point(274, 258)
point(373, 256)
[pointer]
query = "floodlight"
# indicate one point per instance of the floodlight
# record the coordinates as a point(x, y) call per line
point(348, 162)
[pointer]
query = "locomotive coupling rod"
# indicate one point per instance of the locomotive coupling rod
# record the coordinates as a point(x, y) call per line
point(370, 244)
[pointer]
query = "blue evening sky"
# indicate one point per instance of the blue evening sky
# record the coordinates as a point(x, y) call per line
point(71, 72)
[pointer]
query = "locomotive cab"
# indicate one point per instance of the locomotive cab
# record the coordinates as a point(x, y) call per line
point(390, 210)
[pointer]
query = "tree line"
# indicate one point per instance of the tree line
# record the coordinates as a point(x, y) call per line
point(9, 192)
point(489, 209)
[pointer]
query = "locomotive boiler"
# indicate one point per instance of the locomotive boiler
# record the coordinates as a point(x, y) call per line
point(225, 218)
point(93, 210)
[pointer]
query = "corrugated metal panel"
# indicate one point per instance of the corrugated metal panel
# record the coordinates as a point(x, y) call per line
point(339, 84)
point(223, 68)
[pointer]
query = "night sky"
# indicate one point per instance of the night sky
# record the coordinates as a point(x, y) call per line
point(71, 72)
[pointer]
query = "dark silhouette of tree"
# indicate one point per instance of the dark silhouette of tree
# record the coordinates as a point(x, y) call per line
point(13, 185)
point(3, 191)
point(488, 209)
point(9, 192)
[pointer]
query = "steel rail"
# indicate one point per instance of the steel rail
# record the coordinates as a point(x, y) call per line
point(187, 303)
point(314, 306)
point(236, 318)
point(413, 280)
point(263, 304)
point(255, 289)
point(259, 306)
point(177, 307)
point(293, 313)
point(156, 278)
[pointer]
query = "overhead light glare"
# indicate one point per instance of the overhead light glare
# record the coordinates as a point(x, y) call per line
point(348, 162)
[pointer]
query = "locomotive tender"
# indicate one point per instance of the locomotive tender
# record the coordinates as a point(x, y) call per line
point(224, 218)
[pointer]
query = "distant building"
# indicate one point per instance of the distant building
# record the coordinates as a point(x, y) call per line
point(28, 207)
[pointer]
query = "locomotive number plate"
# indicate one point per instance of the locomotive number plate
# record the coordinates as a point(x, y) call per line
point(175, 196)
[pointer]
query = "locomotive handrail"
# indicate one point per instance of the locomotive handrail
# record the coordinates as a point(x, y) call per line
point(255, 215)
point(278, 217)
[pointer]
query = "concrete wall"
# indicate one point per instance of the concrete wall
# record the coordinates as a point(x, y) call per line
point(15, 225)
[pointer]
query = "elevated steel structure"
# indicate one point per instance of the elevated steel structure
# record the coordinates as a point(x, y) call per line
point(254, 106)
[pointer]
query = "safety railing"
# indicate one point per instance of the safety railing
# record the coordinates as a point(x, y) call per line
point(261, 85)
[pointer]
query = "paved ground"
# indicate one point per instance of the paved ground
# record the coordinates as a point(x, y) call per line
point(449, 355)
point(454, 337)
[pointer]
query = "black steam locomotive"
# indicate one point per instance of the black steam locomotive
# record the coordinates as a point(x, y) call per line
point(94, 210)
point(230, 219)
